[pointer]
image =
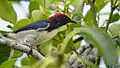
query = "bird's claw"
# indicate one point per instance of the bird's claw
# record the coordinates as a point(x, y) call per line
point(30, 52)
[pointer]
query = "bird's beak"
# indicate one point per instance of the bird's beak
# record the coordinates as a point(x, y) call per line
point(73, 22)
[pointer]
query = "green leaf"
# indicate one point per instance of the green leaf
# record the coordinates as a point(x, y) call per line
point(69, 34)
point(21, 23)
point(7, 12)
point(29, 61)
point(56, 1)
point(99, 4)
point(8, 64)
point(26, 66)
point(76, 45)
point(44, 3)
point(14, 1)
point(89, 18)
point(57, 61)
point(114, 29)
point(33, 6)
point(119, 2)
point(66, 40)
point(46, 48)
point(39, 15)
point(119, 33)
point(78, 5)
point(45, 63)
point(16, 53)
point(4, 53)
point(104, 44)
point(115, 17)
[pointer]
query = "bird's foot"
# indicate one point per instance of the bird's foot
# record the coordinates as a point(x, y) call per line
point(30, 52)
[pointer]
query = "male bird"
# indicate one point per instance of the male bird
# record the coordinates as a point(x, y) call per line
point(40, 31)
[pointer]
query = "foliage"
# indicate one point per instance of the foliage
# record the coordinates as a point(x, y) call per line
point(7, 12)
point(58, 50)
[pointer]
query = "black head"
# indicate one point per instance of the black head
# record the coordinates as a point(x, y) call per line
point(58, 20)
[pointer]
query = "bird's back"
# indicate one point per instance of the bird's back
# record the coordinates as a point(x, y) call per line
point(32, 26)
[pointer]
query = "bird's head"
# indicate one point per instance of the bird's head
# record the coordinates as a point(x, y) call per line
point(58, 20)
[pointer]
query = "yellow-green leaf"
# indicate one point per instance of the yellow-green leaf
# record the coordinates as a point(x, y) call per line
point(7, 12)
point(114, 29)
point(8, 64)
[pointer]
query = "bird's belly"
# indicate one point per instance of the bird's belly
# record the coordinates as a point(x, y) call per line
point(23, 34)
point(44, 36)
point(33, 37)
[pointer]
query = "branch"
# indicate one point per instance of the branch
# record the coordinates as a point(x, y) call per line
point(5, 42)
point(113, 7)
point(83, 57)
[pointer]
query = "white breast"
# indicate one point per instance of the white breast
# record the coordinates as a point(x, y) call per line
point(33, 37)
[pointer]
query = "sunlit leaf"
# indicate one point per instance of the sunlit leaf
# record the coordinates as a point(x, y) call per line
point(8, 64)
point(39, 15)
point(99, 4)
point(14, 1)
point(16, 53)
point(114, 29)
point(89, 18)
point(115, 17)
point(46, 48)
point(56, 1)
point(66, 40)
point(29, 61)
point(7, 12)
point(119, 33)
point(78, 5)
point(33, 6)
point(57, 61)
point(44, 3)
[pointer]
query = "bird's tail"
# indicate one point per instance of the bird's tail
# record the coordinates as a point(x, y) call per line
point(5, 35)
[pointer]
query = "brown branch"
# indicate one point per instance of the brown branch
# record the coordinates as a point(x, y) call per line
point(5, 42)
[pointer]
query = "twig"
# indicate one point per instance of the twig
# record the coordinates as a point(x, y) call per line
point(5, 42)
point(113, 7)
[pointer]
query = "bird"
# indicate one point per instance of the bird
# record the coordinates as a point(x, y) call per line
point(41, 31)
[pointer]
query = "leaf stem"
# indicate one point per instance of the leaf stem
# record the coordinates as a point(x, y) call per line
point(93, 11)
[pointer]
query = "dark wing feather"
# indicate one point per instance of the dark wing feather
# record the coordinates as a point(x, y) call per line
point(44, 24)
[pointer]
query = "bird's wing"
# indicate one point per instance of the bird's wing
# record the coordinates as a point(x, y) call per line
point(40, 29)
point(39, 25)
